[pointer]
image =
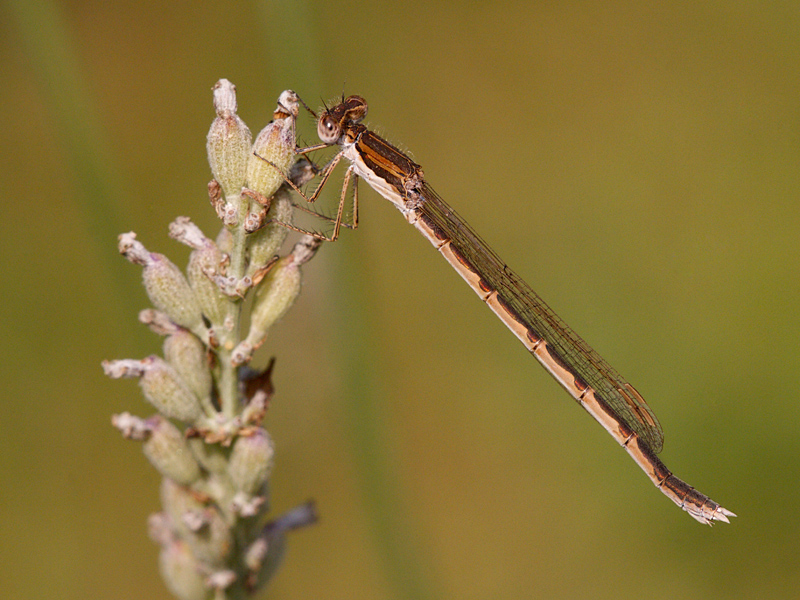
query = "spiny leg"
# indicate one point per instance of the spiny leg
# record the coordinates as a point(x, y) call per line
point(326, 173)
point(339, 213)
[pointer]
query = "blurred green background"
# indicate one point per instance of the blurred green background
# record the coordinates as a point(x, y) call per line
point(636, 162)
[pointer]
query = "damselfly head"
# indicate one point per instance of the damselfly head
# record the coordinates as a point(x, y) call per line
point(336, 119)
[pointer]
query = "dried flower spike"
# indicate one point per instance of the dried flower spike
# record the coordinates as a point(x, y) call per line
point(216, 459)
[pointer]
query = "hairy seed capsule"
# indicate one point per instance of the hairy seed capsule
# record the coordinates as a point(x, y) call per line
point(204, 263)
point(265, 242)
point(165, 284)
point(229, 142)
point(182, 572)
point(164, 389)
point(251, 461)
point(167, 450)
point(275, 144)
point(275, 295)
point(187, 355)
point(199, 525)
point(169, 291)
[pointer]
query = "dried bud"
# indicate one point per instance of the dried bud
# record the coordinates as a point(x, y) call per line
point(229, 141)
point(274, 296)
point(169, 453)
point(276, 145)
point(258, 391)
point(213, 544)
point(242, 354)
point(159, 528)
point(165, 284)
point(179, 501)
point(204, 266)
point(183, 230)
point(255, 220)
point(124, 368)
point(158, 322)
point(265, 242)
point(233, 287)
point(182, 572)
point(254, 555)
point(132, 428)
point(164, 389)
point(200, 526)
point(251, 461)
point(221, 580)
point(187, 355)
point(246, 505)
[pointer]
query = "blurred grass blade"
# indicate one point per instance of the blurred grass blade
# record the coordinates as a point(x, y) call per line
point(397, 535)
point(97, 188)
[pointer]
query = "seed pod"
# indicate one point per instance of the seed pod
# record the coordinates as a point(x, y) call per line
point(167, 450)
point(274, 296)
point(165, 284)
point(214, 541)
point(188, 357)
point(164, 389)
point(251, 461)
point(178, 501)
point(265, 242)
point(182, 572)
point(205, 262)
point(275, 144)
point(170, 292)
point(229, 141)
point(199, 525)
point(205, 266)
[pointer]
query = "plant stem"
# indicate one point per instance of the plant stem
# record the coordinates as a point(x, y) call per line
point(229, 381)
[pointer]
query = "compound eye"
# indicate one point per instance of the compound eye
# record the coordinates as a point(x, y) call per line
point(328, 130)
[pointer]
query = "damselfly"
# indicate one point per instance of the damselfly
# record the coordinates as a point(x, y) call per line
point(588, 378)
